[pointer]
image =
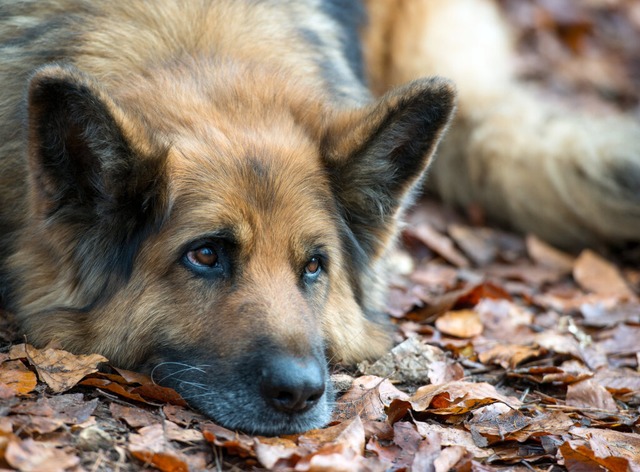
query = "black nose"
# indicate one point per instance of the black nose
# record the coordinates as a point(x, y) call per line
point(292, 384)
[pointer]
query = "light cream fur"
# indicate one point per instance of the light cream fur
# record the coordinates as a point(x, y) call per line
point(571, 178)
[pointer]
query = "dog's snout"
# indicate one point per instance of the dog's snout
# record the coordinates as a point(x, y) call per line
point(292, 384)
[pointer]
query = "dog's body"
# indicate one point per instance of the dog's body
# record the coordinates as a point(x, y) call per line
point(207, 189)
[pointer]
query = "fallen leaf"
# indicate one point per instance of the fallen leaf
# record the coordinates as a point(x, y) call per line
point(367, 398)
point(234, 443)
point(590, 394)
point(17, 378)
point(610, 443)
point(544, 254)
point(31, 456)
point(595, 274)
point(460, 323)
point(59, 369)
point(479, 244)
point(453, 398)
point(453, 459)
point(509, 355)
point(440, 244)
point(453, 436)
point(151, 446)
point(134, 416)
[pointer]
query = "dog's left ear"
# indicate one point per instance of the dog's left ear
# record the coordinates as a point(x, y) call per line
point(377, 156)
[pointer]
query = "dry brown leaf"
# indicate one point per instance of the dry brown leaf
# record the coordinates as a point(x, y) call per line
point(401, 452)
point(183, 435)
point(624, 339)
point(548, 256)
point(440, 244)
point(590, 394)
point(596, 274)
point(460, 323)
point(17, 378)
point(455, 398)
point(182, 416)
point(622, 383)
point(59, 369)
point(453, 459)
point(535, 275)
point(113, 387)
point(367, 398)
point(453, 436)
point(479, 244)
point(151, 446)
point(578, 456)
point(31, 456)
point(343, 454)
point(509, 355)
point(134, 416)
point(233, 442)
point(609, 443)
point(159, 394)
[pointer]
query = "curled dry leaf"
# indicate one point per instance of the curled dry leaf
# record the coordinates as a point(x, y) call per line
point(453, 398)
point(59, 369)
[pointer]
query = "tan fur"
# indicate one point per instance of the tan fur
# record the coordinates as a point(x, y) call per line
point(157, 130)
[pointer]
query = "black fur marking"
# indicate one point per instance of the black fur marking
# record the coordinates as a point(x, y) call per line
point(92, 178)
point(351, 16)
point(373, 183)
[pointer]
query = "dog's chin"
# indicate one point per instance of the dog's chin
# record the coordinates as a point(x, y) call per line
point(243, 410)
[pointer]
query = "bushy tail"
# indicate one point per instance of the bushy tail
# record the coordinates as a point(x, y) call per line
point(573, 180)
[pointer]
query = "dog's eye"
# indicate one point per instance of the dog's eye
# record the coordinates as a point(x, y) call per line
point(313, 267)
point(205, 256)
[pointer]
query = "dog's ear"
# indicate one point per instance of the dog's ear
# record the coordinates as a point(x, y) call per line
point(90, 166)
point(378, 155)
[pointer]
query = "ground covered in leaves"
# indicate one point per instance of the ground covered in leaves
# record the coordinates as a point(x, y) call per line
point(511, 354)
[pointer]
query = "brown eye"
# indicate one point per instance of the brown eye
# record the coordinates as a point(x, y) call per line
point(313, 267)
point(205, 256)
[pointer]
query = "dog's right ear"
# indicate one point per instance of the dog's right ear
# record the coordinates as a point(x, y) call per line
point(91, 166)
point(376, 156)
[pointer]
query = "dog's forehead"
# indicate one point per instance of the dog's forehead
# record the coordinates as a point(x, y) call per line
point(260, 190)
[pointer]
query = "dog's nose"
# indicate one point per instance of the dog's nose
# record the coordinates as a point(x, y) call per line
point(292, 384)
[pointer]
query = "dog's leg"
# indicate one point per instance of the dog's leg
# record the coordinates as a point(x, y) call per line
point(574, 180)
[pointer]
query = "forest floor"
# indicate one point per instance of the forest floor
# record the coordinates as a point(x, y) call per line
point(511, 355)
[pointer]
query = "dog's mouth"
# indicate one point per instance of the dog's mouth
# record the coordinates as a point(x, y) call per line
point(264, 394)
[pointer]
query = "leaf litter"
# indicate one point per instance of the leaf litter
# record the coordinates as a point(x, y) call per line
point(511, 354)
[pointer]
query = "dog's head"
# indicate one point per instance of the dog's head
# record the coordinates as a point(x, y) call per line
point(232, 245)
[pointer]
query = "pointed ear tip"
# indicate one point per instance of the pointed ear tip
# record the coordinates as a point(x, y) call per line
point(54, 74)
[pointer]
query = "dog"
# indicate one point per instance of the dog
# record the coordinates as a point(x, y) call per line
point(208, 190)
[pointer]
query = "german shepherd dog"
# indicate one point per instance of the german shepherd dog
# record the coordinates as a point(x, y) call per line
point(208, 189)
